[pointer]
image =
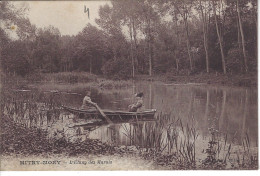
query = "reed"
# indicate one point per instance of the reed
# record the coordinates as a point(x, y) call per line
point(57, 80)
point(246, 158)
point(62, 77)
point(167, 141)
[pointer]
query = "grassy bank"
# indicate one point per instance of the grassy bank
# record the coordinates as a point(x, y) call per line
point(56, 81)
point(241, 80)
point(18, 139)
point(84, 78)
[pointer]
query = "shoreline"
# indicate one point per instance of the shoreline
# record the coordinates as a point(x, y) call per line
point(203, 79)
point(91, 155)
point(249, 80)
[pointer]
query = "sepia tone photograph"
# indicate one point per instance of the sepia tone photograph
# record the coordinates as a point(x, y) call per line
point(128, 85)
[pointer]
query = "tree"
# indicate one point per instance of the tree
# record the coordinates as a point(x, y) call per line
point(109, 22)
point(165, 47)
point(15, 60)
point(16, 31)
point(127, 11)
point(91, 49)
point(67, 47)
point(136, 36)
point(220, 38)
point(184, 8)
point(205, 15)
point(242, 35)
point(47, 51)
point(177, 32)
point(150, 21)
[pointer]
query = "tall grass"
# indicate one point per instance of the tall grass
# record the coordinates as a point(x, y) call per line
point(171, 143)
point(29, 108)
point(63, 81)
point(181, 141)
point(221, 155)
point(246, 159)
point(166, 141)
point(63, 77)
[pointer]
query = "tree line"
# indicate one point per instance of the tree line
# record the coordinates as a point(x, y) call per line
point(133, 37)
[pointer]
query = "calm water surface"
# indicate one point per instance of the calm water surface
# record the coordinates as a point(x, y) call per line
point(231, 111)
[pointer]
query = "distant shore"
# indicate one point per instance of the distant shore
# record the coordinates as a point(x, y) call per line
point(249, 80)
point(218, 79)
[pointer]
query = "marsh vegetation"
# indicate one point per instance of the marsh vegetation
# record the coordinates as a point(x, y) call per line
point(195, 127)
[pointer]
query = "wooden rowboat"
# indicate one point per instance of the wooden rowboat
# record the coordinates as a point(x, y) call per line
point(113, 115)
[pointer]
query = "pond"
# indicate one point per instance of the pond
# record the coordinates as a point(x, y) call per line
point(230, 111)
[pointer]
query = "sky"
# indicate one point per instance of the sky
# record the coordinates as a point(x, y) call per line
point(67, 16)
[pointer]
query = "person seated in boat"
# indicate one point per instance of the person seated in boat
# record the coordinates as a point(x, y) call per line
point(87, 103)
point(139, 103)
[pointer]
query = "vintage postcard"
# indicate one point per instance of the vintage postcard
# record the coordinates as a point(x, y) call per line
point(128, 85)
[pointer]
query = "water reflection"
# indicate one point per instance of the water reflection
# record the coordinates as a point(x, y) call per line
point(231, 111)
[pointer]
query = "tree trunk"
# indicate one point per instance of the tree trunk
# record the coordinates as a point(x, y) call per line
point(143, 61)
point(238, 35)
point(206, 51)
point(150, 49)
point(188, 42)
point(135, 43)
point(185, 19)
point(178, 40)
point(220, 40)
point(239, 45)
point(131, 48)
point(150, 58)
point(242, 37)
point(205, 37)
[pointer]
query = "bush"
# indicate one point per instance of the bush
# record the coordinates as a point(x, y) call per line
point(234, 61)
point(15, 59)
point(62, 77)
point(117, 68)
point(70, 77)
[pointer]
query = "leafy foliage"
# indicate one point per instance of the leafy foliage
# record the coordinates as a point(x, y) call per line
point(117, 68)
point(141, 37)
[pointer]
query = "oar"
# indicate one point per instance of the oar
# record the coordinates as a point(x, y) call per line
point(102, 113)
